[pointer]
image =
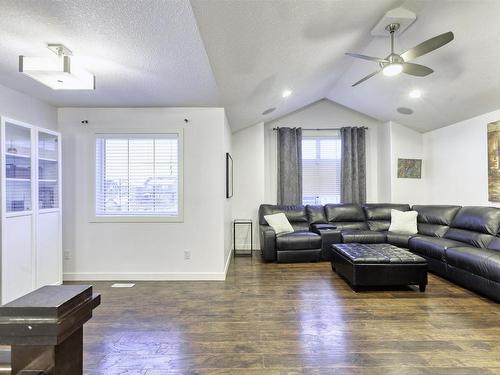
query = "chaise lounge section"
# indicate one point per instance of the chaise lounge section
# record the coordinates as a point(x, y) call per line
point(461, 244)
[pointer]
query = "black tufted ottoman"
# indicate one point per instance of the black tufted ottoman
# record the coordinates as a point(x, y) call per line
point(378, 265)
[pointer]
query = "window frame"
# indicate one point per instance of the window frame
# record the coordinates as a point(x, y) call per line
point(179, 218)
point(317, 135)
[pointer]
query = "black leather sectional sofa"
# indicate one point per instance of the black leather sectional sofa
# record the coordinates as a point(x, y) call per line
point(459, 243)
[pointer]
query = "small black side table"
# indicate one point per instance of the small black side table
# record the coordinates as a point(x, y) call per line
point(242, 222)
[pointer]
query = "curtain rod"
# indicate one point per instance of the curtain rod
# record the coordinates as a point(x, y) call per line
point(362, 127)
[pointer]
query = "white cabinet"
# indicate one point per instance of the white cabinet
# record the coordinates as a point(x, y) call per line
point(31, 236)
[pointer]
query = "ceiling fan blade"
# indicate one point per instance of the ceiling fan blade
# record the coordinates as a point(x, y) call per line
point(428, 46)
point(365, 78)
point(369, 58)
point(416, 69)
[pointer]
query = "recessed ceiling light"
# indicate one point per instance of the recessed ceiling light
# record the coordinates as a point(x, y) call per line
point(286, 93)
point(415, 94)
point(268, 111)
point(405, 110)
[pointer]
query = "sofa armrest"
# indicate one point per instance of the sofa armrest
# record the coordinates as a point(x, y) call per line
point(316, 228)
point(268, 243)
point(329, 236)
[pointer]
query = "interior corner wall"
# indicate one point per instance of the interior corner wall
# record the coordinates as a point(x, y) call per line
point(406, 143)
point(384, 180)
point(146, 251)
point(22, 107)
point(323, 114)
point(228, 203)
point(249, 181)
point(457, 158)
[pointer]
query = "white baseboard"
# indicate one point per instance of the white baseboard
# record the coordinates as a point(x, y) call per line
point(145, 276)
point(150, 276)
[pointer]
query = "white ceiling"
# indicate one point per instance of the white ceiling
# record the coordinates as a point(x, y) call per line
point(466, 78)
point(242, 54)
point(143, 53)
point(259, 48)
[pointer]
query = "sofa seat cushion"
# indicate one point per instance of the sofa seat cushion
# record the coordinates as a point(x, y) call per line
point(481, 262)
point(299, 241)
point(432, 247)
point(363, 236)
point(398, 239)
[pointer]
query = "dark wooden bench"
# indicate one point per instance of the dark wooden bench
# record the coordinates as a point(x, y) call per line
point(45, 330)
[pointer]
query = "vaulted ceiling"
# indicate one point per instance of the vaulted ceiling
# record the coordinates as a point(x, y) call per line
point(242, 54)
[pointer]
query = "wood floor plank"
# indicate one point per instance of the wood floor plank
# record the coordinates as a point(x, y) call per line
point(290, 319)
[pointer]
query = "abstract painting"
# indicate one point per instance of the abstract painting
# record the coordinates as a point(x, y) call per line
point(409, 168)
point(494, 161)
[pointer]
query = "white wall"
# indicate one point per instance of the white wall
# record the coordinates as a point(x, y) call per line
point(22, 107)
point(406, 143)
point(457, 162)
point(249, 181)
point(324, 114)
point(122, 251)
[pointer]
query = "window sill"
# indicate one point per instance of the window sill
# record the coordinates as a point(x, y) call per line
point(137, 219)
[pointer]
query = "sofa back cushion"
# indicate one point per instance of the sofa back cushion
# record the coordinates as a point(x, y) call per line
point(435, 220)
point(316, 214)
point(346, 216)
point(475, 225)
point(495, 244)
point(378, 216)
point(296, 215)
point(344, 212)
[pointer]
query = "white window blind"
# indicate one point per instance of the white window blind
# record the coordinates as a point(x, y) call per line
point(321, 169)
point(137, 175)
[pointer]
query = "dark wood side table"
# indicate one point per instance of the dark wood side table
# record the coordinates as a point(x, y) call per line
point(45, 329)
point(242, 222)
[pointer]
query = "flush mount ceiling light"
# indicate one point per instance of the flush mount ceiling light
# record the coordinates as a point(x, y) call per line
point(59, 72)
point(415, 94)
point(286, 93)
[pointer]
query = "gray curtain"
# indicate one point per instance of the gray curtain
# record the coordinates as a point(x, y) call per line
point(289, 166)
point(353, 165)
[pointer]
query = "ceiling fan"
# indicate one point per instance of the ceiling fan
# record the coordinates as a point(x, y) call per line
point(394, 64)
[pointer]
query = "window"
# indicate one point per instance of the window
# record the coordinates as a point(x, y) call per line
point(320, 169)
point(138, 175)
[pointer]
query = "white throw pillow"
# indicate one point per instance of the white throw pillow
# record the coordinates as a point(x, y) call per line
point(279, 223)
point(404, 222)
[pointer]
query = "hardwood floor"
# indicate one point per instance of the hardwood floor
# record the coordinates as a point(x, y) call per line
point(290, 319)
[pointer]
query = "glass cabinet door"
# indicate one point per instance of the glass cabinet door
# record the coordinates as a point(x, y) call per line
point(48, 170)
point(17, 148)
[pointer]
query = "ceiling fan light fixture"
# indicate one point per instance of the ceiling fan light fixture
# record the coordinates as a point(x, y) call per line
point(392, 69)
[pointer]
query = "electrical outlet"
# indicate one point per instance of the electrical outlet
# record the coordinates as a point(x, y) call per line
point(187, 254)
point(67, 254)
